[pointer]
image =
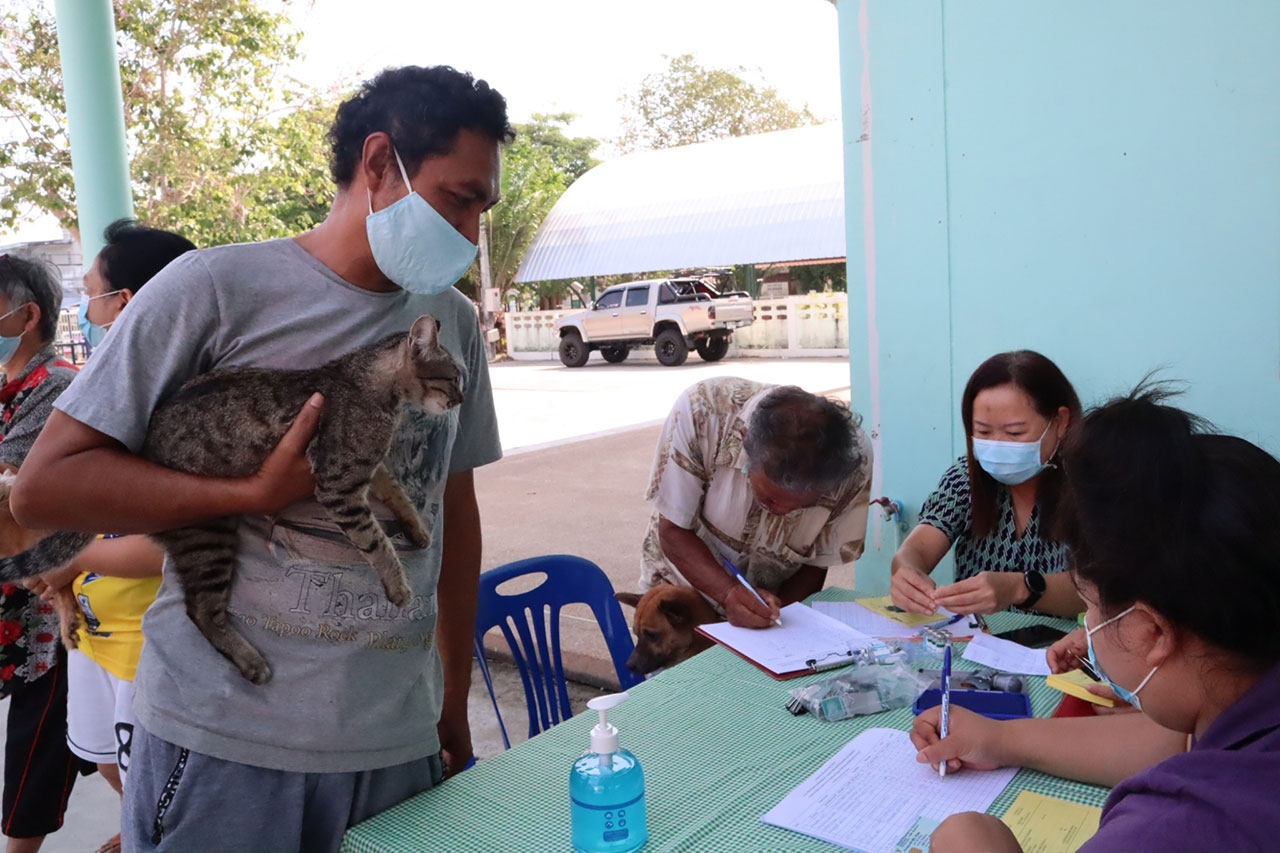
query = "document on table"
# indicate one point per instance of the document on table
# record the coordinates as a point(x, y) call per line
point(1006, 656)
point(861, 619)
point(805, 635)
point(873, 624)
point(884, 607)
point(873, 795)
point(1050, 825)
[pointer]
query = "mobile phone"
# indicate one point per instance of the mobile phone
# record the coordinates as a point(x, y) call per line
point(1034, 637)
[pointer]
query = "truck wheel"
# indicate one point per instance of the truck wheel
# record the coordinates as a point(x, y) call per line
point(713, 348)
point(573, 352)
point(670, 348)
point(615, 353)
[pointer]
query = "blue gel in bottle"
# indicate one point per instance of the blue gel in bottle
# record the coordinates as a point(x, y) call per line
point(606, 791)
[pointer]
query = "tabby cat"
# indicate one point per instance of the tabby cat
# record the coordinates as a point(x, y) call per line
point(226, 422)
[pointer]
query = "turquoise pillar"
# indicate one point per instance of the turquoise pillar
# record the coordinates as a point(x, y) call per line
point(95, 117)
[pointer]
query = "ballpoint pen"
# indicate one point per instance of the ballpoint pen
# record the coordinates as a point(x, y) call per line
point(742, 580)
point(946, 705)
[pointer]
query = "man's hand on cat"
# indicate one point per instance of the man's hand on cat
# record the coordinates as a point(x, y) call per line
point(455, 742)
point(285, 476)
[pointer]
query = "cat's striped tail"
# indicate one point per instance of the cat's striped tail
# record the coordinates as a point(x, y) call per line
point(52, 552)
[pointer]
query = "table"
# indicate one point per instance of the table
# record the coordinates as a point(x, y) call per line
point(718, 751)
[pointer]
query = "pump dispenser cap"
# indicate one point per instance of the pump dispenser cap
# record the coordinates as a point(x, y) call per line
point(604, 737)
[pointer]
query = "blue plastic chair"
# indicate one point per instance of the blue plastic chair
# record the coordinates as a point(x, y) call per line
point(530, 621)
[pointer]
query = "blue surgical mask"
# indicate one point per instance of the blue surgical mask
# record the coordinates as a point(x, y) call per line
point(415, 246)
point(1010, 462)
point(93, 333)
point(1129, 696)
point(8, 346)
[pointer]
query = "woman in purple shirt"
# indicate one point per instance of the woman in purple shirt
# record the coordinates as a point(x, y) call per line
point(1175, 538)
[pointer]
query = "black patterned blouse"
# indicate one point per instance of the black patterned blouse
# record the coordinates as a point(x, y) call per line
point(947, 509)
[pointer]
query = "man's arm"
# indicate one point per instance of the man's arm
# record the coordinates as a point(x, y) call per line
point(456, 595)
point(703, 571)
point(77, 478)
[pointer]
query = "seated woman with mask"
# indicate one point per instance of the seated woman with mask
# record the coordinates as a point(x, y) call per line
point(996, 505)
point(1177, 552)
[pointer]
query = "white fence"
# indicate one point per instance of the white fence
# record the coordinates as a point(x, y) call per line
point(795, 326)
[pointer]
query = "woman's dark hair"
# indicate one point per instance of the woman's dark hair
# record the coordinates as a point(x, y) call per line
point(1049, 391)
point(24, 280)
point(1158, 508)
point(421, 109)
point(135, 253)
point(802, 442)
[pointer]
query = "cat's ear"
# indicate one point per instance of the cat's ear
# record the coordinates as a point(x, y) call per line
point(425, 332)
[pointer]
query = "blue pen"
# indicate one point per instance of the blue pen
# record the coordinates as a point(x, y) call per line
point(742, 580)
point(946, 704)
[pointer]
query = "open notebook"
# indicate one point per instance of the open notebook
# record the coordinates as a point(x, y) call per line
point(807, 642)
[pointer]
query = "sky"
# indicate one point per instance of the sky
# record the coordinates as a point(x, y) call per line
point(574, 56)
point(578, 55)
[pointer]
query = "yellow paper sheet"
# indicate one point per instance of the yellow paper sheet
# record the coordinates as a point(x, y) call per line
point(1049, 825)
point(885, 607)
point(1076, 683)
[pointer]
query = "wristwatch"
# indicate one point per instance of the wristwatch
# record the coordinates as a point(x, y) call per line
point(1035, 588)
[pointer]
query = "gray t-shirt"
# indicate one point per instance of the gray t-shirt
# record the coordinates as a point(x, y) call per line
point(356, 683)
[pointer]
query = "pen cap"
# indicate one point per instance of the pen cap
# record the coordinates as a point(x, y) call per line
point(604, 736)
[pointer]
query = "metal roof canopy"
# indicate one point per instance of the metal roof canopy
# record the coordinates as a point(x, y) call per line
point(757, 199)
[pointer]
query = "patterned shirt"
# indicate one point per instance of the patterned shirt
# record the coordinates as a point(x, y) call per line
point(28, 626)
point(948, 510)
point(699, 482)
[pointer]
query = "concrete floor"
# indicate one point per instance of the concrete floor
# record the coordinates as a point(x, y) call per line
point(579, 447)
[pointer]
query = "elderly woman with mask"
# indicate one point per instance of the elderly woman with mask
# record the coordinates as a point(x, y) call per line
point(39, 769)
point(773, 480)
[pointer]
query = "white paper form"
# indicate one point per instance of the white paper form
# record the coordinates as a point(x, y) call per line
point(805, 635)
point(861, 619)
point(1006, 656)
point(872, 792)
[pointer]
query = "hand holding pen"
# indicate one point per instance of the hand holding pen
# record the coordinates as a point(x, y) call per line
point(770, 606)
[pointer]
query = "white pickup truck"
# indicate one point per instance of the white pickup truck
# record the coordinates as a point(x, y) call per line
point(673, 314)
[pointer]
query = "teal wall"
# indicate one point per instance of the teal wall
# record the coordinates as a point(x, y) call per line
point(1099, 181)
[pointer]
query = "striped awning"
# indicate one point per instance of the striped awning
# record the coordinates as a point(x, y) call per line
point(769, 198)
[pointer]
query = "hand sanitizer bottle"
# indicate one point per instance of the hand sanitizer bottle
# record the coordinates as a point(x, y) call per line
point(606, 790)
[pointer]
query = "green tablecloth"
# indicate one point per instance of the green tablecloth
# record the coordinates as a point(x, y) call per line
point(718, 751)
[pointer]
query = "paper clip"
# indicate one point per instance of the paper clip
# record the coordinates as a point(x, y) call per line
point(841, 659)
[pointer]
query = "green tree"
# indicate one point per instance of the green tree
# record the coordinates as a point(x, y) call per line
point(688, 103)
point(572, 155)
point(223, 147)
point(531, 185)
point(820, 277)
point(536, 170)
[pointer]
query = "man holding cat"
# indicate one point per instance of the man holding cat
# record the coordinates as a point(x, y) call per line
point(367, 702)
